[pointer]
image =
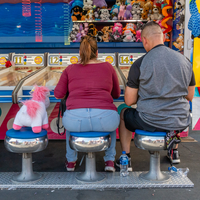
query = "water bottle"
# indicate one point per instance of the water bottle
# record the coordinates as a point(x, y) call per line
point(124, 164)
point(182, 171)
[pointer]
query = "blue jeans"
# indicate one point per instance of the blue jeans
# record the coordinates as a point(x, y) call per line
point(91, 119)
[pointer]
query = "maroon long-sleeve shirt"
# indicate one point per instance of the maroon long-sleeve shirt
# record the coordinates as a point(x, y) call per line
point(89, 86)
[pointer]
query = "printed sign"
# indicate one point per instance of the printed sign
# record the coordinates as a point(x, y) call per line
point(107, 58)
point(3, 59)
point(62, 59)
point(128, 59)
point(28, 59)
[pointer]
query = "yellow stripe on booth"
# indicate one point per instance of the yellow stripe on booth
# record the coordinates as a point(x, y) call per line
point(196, 61)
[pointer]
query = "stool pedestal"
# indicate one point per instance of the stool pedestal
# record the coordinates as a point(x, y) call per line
point(27, 173)
point(90, 174)
point(154, 173)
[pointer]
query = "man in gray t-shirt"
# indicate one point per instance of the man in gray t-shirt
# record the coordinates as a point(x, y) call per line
point(161, 83)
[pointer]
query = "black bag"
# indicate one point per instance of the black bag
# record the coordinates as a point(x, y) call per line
point(61, 111)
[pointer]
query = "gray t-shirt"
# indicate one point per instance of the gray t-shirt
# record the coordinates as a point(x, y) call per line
point(162, 77)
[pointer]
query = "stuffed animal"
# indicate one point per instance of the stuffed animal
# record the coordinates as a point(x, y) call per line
point(33, 112)
point(136, 11)
point(76, 13)
point(89, 15)
point(99, 36)
point(100, 3)
point(92, 31)
point(115, 37)
point(117, 27)
point(194, 22)
point(121, 12)
point(179, 44)
point(128, 36)
point(138, 36)
point(141, 2)
point(88, 5)
point(144, 15)
point(131, 27)
point(127, 14)
point(96, 12)
point(148, 7)
point(105, 37)
point(114, 13)
point(156, 13)
point(104, 14)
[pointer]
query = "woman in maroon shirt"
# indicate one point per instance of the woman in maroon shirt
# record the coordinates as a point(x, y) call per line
point(91, 85)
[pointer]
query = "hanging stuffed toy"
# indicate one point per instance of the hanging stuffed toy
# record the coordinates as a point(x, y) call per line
point(194, 22)
point(33, 112)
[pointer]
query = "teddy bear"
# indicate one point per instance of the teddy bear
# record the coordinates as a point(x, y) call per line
point(179, 44)
point(128, 36)
point(107, 29)
point(88, 5)
point(144, 15)
point(127, 14)
point(104, 14)
point(156, 13)
point(148, 7)
point(105, 37)
point(136, 11)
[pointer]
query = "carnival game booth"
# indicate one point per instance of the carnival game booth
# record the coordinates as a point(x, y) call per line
point(25, 65)
point(49, 76)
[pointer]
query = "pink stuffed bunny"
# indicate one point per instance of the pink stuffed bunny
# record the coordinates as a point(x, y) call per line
point(121, 12)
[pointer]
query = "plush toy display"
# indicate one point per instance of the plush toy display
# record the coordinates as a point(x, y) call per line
point(33, 112)
point(122, 10)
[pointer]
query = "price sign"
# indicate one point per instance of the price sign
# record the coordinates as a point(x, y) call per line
point(28, 59)
point(128, 59)
point(107, 58)
point(62, 59)
point(3, 59)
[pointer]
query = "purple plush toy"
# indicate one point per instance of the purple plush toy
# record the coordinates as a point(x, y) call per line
point(128, 14)
point(100, 3)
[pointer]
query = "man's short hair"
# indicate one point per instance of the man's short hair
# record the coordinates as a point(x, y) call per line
point(151, 28)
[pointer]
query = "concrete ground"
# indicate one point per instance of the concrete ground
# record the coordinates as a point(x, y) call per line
point(52, 160)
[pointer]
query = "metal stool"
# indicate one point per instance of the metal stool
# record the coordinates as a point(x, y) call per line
point(90, 142)
point(26, 142)
point(154, 142)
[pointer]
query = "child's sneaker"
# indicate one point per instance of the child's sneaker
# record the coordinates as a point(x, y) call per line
point(70, 166)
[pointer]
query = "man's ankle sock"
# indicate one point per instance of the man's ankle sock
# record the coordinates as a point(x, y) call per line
point(128, 154)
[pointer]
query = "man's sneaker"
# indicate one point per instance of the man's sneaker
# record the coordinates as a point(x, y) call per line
point(109, 166)
point(130, 169)
point(70, 166)
point(174, 157)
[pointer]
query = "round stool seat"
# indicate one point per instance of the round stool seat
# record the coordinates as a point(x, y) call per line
point(89, 141)
point(25, 140)
point(151, 141)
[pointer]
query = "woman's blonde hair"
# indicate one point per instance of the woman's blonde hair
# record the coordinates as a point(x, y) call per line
point(88, 49)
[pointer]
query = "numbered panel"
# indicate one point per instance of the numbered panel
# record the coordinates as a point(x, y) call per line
point(3, 59)
point(62, 59)
point(28, 59)
point(68, 59)
point(125, 61)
